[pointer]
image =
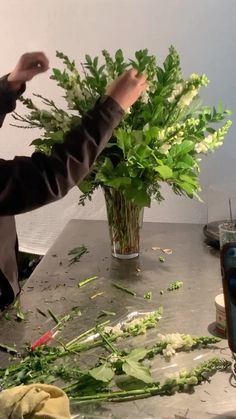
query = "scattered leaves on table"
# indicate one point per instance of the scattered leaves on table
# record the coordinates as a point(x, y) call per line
point(106, 313)
point(166, 251)
point(148, 295)
point(174, 285)
point(7, 316)
point(8, 349)
point(97, 295)
point(87, 280)
point(77, 253)
point(41, 312)
point(127, 290)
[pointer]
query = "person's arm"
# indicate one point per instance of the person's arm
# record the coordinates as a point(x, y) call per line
point(8, 97)
point(27, 183)
point(30, 182)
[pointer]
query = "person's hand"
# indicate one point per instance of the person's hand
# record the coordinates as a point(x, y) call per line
point(28, 66)
point(127, 88)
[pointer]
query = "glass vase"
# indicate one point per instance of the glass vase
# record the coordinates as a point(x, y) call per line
point(125, 220)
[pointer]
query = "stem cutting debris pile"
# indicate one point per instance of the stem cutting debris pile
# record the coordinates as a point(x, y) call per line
point(117, 372)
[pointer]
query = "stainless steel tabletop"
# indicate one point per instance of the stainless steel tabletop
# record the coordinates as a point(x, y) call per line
point(190, 309)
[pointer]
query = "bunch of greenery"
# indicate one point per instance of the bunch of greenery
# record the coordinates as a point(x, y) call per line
point(159, 140)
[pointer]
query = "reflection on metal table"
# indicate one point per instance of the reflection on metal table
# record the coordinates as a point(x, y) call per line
point(54, 285)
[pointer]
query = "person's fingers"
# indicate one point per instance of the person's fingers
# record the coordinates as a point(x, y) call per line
point(144, 86)
point(141, 78)
point(35, 59)
point(132, 72)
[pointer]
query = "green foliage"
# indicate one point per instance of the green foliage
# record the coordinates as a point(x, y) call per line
point(159, 139)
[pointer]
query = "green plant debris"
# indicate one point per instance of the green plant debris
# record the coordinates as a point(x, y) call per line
point(8, 349)
point(77, 253)
point(54, 317)
point(87, 280)
point(162, 259)
point(120, 287)
point(41, 312)
point(175, 285)
point(97, 295)
point(97, 383)
point(7, 316)
point(20, 315)
point(148, 295)
point(107, 313)
point(166, 251)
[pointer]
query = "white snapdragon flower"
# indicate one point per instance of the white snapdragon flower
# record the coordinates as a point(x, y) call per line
point(177, 139)
point(145, 96)
point(192, 381)
point(161, 135)
point(188, 342)
point(161, 337)
point(178, 89)
point(171, 377)
point(113, 358)
point(194, 76)
point(186, 99)
point(201, 147)
point(202, 80)
point(175, 339)
point(209, 139)
point(169, 351)
point(164, 148)
point(116, 330)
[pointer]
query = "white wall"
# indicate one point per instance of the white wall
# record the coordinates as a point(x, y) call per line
point(204, 34)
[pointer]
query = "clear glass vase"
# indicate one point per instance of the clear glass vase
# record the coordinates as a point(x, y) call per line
point(125, 220)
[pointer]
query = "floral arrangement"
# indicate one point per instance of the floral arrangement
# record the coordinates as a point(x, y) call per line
point(160, 139)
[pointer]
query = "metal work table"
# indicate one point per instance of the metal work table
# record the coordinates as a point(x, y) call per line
point(54, 284)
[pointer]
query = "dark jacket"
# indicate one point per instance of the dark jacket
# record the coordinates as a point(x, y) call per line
point(27, 183)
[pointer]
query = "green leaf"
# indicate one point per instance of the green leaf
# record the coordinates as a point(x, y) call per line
point(57, 136)
point(189, 179)
point(182, 149)
point(57, 73)
point(137, 354)
point(139, 197)
point(102, 373)
point(85, 186)
point(20, 315)
point(88, 59)
point(118, 182)
point(136, 370)
point(107, 167)
point(188, 188)
point(164, 171)
point(210, 130)
point(123, 139)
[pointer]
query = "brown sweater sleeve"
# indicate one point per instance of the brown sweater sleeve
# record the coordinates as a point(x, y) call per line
point(27, 183)
point(8, 98)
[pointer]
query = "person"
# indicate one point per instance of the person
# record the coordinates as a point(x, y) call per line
point(27, 183)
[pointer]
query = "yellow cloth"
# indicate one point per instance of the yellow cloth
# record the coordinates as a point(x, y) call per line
point(34, 401)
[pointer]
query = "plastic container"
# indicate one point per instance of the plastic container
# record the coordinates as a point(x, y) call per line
point(220, 314)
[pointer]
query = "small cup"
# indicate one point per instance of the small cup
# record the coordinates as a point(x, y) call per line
point(227, 233)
